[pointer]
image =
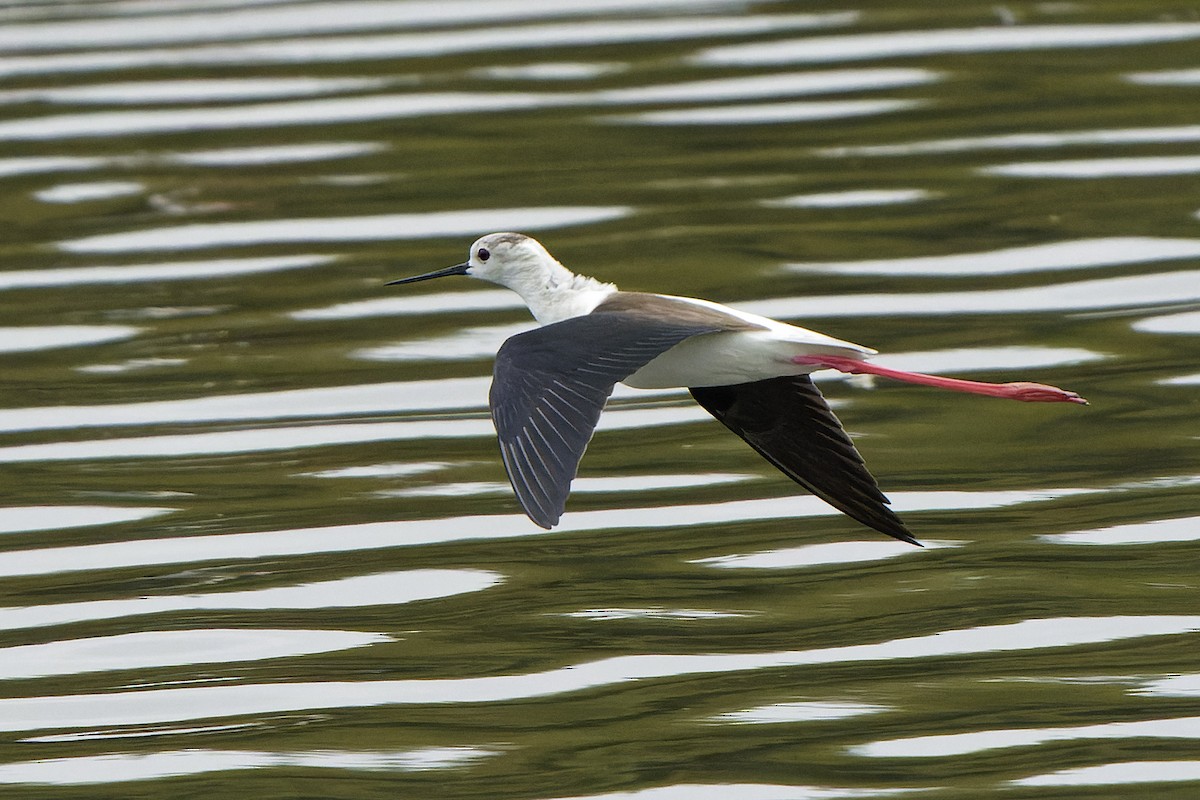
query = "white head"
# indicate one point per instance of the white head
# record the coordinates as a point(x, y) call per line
point(514, 260)
point(520, 263)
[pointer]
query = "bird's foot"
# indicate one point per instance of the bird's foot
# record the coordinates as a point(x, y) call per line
point(1019, 390)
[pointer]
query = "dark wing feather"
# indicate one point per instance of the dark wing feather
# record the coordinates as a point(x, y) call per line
point(549, 387)
point(789, 423)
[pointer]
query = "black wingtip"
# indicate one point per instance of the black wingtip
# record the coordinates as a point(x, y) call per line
point(545, 523)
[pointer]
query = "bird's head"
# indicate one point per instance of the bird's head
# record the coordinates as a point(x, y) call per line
point(513, 260)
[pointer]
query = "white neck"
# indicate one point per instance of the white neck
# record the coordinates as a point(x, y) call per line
point(560, 294)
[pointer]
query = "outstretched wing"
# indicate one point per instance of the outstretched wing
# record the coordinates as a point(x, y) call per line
point(789, 423)
point(550, 385)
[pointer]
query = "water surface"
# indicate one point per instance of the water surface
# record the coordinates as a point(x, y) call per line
point(256, 539)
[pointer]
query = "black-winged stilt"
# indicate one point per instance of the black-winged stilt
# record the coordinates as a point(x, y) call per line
point(750, 372)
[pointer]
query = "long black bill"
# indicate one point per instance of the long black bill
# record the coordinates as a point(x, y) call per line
point(457, 269)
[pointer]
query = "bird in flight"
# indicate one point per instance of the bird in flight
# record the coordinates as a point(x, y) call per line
point(750, 372)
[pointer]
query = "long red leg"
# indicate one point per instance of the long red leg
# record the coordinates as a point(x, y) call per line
point(1021, 390)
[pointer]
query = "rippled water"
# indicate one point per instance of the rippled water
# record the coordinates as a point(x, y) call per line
point(256, 540)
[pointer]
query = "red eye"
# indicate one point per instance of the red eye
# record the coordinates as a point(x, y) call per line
point(482, 254)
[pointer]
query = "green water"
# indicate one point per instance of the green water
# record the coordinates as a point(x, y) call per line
point(207, 462)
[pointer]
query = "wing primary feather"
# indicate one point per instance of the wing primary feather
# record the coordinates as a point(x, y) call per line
point(558, 378)
point(789, 423)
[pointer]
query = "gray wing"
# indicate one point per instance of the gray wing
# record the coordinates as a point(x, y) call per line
point(789, 423)
point(549, 387)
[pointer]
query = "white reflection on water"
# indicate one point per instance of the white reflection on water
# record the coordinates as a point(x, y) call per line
point(957, 744)
point(764, 113)
point(1133, 290)
point(386, 588)
point(241, 117)
point(224, 157)
point(21, 519)
point(382, 227)
point(119, 767)
point(1023, 141)
point(853, 47)
point(631, 483)
point(1116, 774)
point(495, 38)
point(1172, 77)
point(800, 711)
point(377, 535)
point(176, 92)
point(1073, 254)
point(463, 344)
point(273, 154)
point(786, 84)
point(451, 394)
point(816, 555)
point(187, 703)
point(974, 359)
point(654, 613)
point(308, 19)
point(1187, 322)
point(1130, 166)
point(1172, 686)
point(551, 71)
point(153, 649)
point(383, 470)
point(33, 165)
point(130, 365)
point(292, 438)
point(410, 304)
point(397, 106)
point(47, 337)
point(86, 192)
point(851, 199)
point(173, 271)
point(739, 791)
point(1184, 529)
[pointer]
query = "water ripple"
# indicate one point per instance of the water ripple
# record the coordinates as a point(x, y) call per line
point(409, 533)
point(766, 113)
point(495, 38)
point(307, 19)
point(816, 555)
point(800, 711)
point(1130, 166)
point(957, 744)
point(171, 271)
point(155, 649)
point(897, 44)
point(385, 588)
point(1022, 141)
point(22, 519)
point(121, 767)
point(382, 227)
point(1183, 529)
point(433, 303)
point(1164, 288)
point(1072, 254)
point(178, 92)
point(1118, 774)
point(851, 199)
point(155, 706)
point(740, 791)
point(48, 337)
point(1187, 322)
